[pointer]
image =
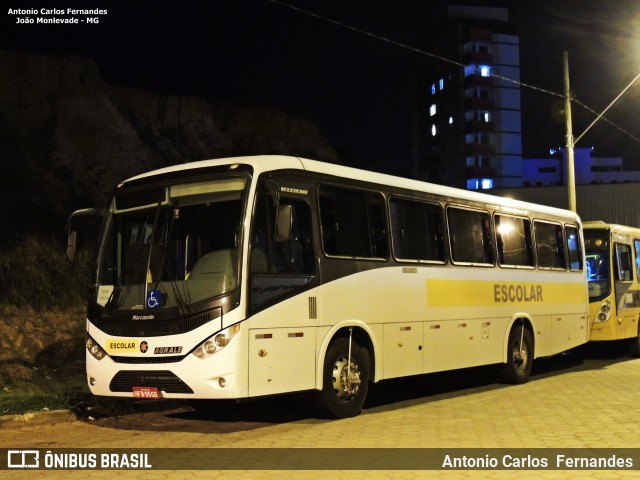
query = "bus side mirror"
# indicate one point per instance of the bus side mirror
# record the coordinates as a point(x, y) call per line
point(72, 234)
point(284, 221)
point(71, 245)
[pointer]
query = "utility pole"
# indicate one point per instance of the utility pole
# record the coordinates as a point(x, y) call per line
point(569, 143)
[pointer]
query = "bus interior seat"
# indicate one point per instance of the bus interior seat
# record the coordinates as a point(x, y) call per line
point(216, 266)
point(259, 261)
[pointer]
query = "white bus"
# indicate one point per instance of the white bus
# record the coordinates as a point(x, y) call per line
point(245, 277)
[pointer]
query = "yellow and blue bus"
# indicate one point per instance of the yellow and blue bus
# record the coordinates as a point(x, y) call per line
point(612, 259)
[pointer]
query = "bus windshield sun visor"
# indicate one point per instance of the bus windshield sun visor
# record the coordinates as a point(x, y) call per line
point(140, 199)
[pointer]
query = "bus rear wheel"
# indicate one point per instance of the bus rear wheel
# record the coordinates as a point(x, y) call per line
point(345, 381)
point(519, 356)
point(634, 347)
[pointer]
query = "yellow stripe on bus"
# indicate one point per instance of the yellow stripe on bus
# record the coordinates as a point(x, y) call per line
point(471, 293)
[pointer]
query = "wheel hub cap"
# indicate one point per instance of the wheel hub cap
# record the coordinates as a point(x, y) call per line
point(346, 388)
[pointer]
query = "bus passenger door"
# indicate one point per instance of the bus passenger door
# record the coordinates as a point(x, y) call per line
point(627, 299)
point(282, 268)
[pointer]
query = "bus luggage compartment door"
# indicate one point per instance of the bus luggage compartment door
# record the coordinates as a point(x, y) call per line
point(281, 360)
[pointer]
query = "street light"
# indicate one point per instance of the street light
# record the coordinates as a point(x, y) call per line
point(569, 140)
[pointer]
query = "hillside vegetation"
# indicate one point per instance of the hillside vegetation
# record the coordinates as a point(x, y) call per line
point(67, 138)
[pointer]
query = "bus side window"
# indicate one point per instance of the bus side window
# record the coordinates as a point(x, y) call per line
point(514, 241)
point(623, 263)
point(636, 244)
point(293, 254)
point(471, 236)
point(417, 230)
point(549, 245)
point(280, 266)
point(353, 223)
point(574, 248)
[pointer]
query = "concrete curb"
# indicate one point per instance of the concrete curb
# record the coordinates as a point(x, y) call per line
point(43, 417)
point(51, 417)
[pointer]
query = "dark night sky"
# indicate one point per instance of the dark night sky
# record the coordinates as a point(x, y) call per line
point(357, 89)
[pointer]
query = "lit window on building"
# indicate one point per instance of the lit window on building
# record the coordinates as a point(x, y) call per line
point(432, 110)
point(450, 120)
point(441, 84)
point(434, 130)
point(485, 71)
point(487, 117)
point(479, 183)
point(433, 89)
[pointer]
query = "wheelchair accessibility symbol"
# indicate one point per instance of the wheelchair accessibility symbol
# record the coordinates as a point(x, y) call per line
point(154, 299)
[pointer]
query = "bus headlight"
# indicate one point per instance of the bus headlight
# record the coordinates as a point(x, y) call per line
point(94, 349)
point(604, 312)
point(209, 347)
point(222, 340)
point(217, 342)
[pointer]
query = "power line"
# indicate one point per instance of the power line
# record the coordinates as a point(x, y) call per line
point(404, 45)
point(444, 59)
point(364, 32)
point(599, 116)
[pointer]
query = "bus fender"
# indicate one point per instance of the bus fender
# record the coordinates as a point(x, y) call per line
point(329, 336)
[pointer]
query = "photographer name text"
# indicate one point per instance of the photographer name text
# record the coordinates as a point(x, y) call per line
point(57, 16)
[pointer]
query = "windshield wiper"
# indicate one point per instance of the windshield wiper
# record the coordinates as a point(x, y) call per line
point(110, 302)
point(153, 235)
point(183, 304)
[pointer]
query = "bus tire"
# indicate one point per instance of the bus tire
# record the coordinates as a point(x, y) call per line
point(634, 347)
point(338, 398)
point(519, 361)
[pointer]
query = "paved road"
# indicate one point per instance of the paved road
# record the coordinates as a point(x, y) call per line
point(586, 400)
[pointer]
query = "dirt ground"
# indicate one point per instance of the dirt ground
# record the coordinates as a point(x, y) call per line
point(34, 344)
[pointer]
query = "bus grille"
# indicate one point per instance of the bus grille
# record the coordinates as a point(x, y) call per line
point(154, 328)
point(147, 360)
point(164, 380)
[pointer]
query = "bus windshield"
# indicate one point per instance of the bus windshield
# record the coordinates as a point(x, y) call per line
point(596, 244)
point(170, 247)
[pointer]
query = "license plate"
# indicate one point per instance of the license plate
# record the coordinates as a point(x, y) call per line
point(146, 392)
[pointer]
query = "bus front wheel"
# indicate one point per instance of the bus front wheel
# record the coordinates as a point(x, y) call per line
point(345, 381)
point(519, 356)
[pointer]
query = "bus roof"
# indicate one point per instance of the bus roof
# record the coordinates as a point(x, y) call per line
point(614, 227)
point(265, 163)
